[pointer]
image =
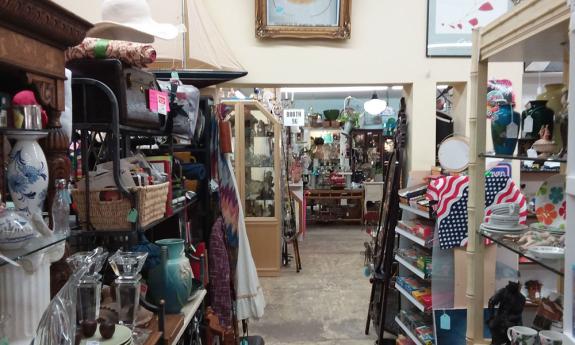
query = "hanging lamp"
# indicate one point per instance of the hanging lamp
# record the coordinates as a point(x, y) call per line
point(375, 106)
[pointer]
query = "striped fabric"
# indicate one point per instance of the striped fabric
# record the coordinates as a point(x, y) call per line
point(451, 195)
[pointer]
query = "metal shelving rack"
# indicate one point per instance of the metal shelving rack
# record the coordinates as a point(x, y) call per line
point(118, 145)
point(408, 268)
point(534, 30)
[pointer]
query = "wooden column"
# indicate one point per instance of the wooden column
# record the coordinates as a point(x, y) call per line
point(476, 203)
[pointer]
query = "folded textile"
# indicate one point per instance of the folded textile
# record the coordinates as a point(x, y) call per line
point(451, 194)
point(131, 53)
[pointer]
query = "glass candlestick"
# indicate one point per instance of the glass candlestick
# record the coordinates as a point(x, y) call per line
point(127, 266)
point(128, 299)
point(89, 286)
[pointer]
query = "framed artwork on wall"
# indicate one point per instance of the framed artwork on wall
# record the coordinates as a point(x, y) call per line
point(330, 19)
point(450, 24)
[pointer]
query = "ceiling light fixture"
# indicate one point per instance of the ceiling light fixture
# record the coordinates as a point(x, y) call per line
point(374, 106)
point(334, 89)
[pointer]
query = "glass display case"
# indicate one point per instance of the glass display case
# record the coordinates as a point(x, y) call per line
point(369, 151)
point(256, 139)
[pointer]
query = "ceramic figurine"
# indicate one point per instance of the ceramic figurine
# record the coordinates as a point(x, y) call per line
point(544, 146)
point(533, 289)
point(509, 303)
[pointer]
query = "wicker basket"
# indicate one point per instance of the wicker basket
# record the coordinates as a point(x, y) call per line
point(113, 215)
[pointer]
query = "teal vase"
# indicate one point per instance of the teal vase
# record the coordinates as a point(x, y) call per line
point(172, 279)
point(505, 129)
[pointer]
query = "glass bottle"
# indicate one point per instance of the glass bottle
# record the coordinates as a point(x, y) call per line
point(61, 208)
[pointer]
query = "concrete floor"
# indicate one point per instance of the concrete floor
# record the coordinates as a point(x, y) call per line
point(326, 303)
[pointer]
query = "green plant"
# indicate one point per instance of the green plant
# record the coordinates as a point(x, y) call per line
point(350, 116)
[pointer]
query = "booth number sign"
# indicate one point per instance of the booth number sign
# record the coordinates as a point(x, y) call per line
point(294, 117)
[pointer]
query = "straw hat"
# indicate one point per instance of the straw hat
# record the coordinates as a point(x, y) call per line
point(130, 20)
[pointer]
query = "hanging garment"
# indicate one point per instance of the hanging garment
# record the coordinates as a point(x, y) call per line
point(219, 270)
point(250, 301)
point(451, 195)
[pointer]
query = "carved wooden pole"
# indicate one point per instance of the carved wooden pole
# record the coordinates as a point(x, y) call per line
point(476, 202)
point(56, 144)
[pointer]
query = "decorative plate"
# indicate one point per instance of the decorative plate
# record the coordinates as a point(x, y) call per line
point(547, 252)
point(520, 228)
point(550, 206)
point(122, 336)
point(453, 154)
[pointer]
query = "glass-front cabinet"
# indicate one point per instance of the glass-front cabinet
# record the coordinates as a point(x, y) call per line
point(257, 135)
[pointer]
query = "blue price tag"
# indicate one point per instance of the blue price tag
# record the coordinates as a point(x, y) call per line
point(445, 322)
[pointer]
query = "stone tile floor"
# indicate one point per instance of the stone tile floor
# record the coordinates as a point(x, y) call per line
point(326, 303)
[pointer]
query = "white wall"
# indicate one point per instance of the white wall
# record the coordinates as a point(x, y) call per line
point(387, 46)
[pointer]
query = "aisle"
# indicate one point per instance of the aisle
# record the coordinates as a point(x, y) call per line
point(326, 303)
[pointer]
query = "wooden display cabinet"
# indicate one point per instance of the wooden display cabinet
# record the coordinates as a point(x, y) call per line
point(256, 159)
point(368, 152)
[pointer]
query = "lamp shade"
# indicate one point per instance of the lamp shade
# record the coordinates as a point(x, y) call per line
point(375, 106)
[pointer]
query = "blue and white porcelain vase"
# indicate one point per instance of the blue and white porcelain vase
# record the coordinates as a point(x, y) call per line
point(27, 172)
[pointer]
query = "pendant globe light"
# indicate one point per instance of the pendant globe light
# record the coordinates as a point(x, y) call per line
point(375, 106)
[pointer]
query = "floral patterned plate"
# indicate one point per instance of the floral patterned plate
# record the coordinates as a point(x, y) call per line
point(550, 206)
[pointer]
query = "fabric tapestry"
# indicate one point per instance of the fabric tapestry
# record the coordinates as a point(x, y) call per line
point(451, 195)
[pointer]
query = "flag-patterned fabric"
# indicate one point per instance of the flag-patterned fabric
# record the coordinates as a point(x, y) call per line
point(451, 195)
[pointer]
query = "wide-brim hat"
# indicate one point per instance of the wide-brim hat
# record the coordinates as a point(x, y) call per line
point(131, 20)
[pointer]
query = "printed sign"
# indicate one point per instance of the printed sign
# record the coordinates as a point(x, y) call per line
point(294, 117)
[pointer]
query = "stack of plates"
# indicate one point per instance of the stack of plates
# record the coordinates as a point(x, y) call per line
point(547, 252)
point(122, 336)
point(504, 219)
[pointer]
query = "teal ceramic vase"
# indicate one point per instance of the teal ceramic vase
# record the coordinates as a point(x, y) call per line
point(172, 279)
point(505, 129)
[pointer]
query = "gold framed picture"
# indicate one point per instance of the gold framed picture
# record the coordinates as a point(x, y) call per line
point(330, 19)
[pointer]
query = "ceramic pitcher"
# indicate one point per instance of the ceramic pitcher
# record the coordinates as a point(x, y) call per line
point(172, 279)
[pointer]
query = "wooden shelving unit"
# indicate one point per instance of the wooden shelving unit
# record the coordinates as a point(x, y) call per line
point(534, 30)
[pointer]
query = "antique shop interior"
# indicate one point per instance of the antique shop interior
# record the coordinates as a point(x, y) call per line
point(286, 172)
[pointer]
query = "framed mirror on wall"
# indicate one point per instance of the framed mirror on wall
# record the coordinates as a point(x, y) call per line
point(330, 19)
point(450, 23)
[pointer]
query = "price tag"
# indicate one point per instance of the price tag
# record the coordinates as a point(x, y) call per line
point(512, 130)
point(159, 102)
point(445, 322)
point(528, 124)
point(133, 215)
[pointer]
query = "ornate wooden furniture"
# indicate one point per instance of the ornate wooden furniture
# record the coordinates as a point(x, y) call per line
point(34, 35)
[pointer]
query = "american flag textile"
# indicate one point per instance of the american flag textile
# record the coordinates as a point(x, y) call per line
point(451, 195)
